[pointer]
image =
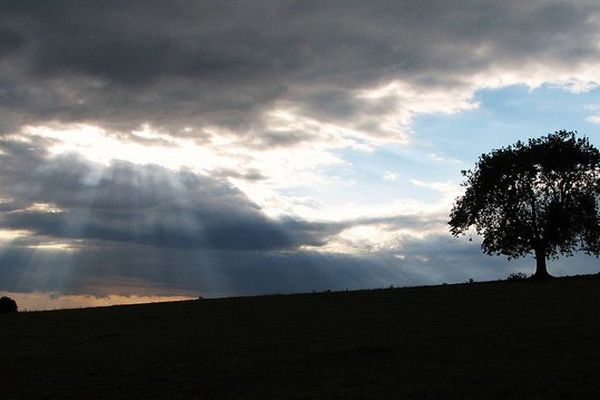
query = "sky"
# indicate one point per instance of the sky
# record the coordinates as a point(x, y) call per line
point(174, 149)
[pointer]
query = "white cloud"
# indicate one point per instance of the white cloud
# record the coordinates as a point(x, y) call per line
point(448, 190)
point(593, 119)
point(364, 239)
point(443, 159)
point(390, 176)
point(98, 144)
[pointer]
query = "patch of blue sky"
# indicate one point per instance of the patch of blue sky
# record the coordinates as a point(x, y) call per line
point(385, 175)
point(444, 144)
point(505, 116)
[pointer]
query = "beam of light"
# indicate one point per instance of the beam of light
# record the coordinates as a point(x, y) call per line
point(306, 162)
point(57, 265)
point(224, 151)
point(54, 263)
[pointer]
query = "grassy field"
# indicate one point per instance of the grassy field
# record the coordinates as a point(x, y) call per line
point(482, 340)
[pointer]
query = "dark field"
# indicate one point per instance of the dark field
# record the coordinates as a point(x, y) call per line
point(486, 340)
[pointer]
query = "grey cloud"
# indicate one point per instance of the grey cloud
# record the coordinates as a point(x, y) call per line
point(142, 204)
point(404, 221)
point(248, 175)
point(152, 205)
point(71, 198)
point(176, 63)
point(128, 269)
point(10, 41)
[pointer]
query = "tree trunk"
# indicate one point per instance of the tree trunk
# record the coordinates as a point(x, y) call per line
point(541, 272)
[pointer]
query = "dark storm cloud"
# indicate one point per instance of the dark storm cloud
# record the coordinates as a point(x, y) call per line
point(137, 229)
point(179, 63)
point(66, 196)
point(10, 41)
point(142, 204)
point(132, 269)
point(135, 268)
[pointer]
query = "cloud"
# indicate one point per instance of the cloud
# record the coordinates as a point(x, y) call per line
point(366, 68)
point(390, 176)
point(68, 197)
point(133, 269)
point(447, 190)
point(129, 269)
point(72, 226)
point(10, 41)
point(593, 119)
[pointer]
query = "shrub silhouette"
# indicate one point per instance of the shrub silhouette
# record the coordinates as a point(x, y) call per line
point(517, 276)
point(7, 305)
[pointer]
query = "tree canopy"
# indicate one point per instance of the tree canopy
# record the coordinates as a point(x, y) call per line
point(7, 305)
point(538, 197)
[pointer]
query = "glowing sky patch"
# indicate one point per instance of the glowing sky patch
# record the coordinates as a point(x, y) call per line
point(49, 301)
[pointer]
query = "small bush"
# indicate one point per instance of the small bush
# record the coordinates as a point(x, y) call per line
point(7, 305)
point(517, 276)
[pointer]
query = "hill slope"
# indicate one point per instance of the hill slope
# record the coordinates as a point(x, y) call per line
point(487, 340)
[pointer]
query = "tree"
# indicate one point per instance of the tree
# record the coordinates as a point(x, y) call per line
point(7, 305)
point(538, 197)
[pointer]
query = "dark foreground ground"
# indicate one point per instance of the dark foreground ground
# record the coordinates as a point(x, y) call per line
point(488, 340)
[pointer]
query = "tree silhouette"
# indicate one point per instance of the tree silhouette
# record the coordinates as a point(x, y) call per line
point(538, 197)
point(7, 305)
